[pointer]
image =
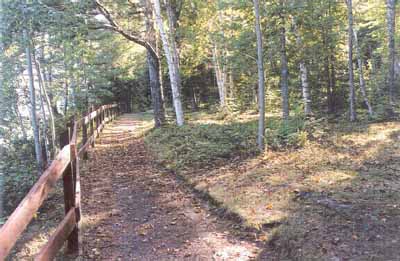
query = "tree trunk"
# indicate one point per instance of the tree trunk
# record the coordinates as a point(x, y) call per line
point(38, 149)
point(160, 72)
point(391, 27)
point(261, 83)
point(305, 89)
point(2, 90)
point(43, 91)
point(48, 78)
point(220, 75)
point(361, 75)
point(154, 70)
point(45, 148)
point(170, 53)
point(284, 70)
point(352, 96)
point(66, 94)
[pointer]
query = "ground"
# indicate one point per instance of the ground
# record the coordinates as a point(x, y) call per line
point(133, 210)
point(335, 198)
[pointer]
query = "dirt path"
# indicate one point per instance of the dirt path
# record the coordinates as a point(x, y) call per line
point(134, 211)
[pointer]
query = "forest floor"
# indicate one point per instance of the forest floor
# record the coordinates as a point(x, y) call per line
point(335, 198)
point(132, 210)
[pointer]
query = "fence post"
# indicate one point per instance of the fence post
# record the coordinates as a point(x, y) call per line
point(91, 126)
point(69, 190)
point(85, 136)
point(102, 116)
point(97, 121)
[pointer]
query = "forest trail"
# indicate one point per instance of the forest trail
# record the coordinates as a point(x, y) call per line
point(134, 211)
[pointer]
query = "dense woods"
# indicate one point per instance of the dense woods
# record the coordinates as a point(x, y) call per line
point(292, 63)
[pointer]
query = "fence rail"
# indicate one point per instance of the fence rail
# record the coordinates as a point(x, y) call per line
point(65, 165)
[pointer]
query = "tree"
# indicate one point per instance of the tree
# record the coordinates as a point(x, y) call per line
point(32, 95)
point(261, 84)
point(153, 59)
point(391, 27)
point(302, 66)
point(171, 55)
point(219, 54)
point(154, 68)
point(284, 64)
point(352, 95)
point(361, 75)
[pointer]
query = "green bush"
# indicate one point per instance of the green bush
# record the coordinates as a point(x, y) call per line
point(201, 144)
point(198, 145)
point(280, 135)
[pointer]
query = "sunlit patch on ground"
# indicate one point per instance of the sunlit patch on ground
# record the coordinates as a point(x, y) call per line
point(335, 198)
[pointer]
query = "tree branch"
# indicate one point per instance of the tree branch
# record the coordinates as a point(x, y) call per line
point(114, 26)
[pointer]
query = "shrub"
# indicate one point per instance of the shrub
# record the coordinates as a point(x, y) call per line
point(280, 135)
point(201, 144)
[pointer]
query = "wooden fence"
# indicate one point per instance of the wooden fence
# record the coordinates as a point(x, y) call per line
point(65, 165)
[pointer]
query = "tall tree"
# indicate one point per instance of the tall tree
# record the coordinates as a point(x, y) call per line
point(32, 94)
point(360, 63)
point(219, 53)
point(391, 27)
point(154, 68)
point(284, 63)
point(173, 69)
point(305, 87)
point(261, 84)
point(352, 95)
point(153, 60)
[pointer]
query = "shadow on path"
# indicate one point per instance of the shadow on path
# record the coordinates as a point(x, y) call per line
point(134, 211)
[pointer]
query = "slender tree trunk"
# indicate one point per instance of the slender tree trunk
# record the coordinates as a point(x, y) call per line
point(219, 58)
point(170, 53)
point(46, 151)
point(2, 32)
point(160, 72)
point(32, 95)
point(156, 97)
point(48, 78)
point(305, 89)
point(391, 27)
point(2, 89)
point(261, 83)
point(352, 96)
point(229, 92)
point(332, 81)
point(284, 70)
point(361, 75)
point(66, 94)
point(43, 91)
point(66, 84)
point(220, 75)
point(192, 96)
point(154, 70)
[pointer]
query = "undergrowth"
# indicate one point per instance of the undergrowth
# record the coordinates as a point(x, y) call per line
point(198, 144)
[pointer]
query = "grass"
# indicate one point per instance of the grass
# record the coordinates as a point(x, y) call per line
point(335, 195)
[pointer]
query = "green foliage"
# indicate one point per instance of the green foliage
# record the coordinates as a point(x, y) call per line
point(290, 134)
point(201, 144)
point(21, 171)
